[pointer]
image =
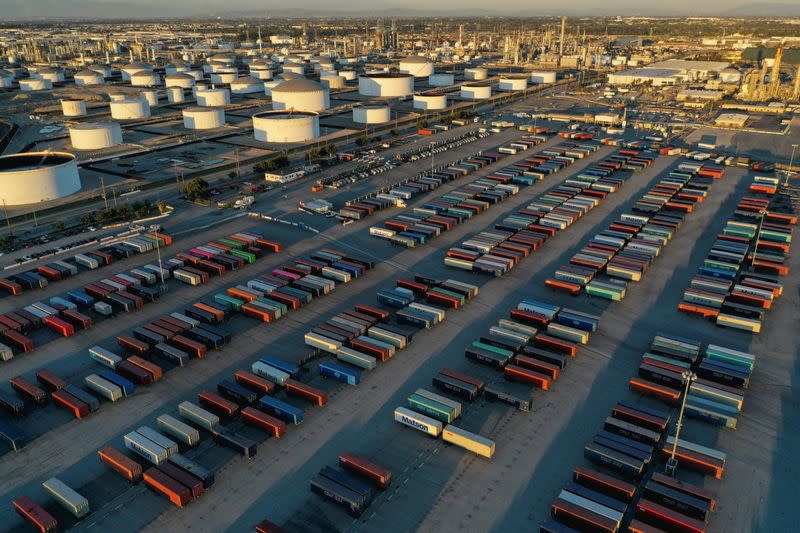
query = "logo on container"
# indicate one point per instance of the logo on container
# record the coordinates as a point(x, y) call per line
point(413, 423)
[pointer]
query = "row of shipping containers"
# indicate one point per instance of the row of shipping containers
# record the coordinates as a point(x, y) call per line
point(739, 280)
point(627, 248)
point(351, 486)
point(497, 251)
point(43, 275)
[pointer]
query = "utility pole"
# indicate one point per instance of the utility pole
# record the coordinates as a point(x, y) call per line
point(103, 191)
point(8, 220)
point(672, 464)
point(432, 145)
point(791, 163)
point(35, 222)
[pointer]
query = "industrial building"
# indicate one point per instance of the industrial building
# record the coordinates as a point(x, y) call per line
point(35, 177)
point(285, 127)
point(731, 120)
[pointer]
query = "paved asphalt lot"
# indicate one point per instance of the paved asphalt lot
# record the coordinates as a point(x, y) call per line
point(436, 486)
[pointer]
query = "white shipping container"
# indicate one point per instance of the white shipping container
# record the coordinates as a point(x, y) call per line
point(198, 415)
point(270, 372)
point(162, 440)
point(145, 447)
point(417, 421)
point(67, 497)
point(103, 387)
point(183, 432)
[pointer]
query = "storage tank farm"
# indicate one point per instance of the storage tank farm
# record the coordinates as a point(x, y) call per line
point(300, 95)
point(286, 126)
point(33, 177)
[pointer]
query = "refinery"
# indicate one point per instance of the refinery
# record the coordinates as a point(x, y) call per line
point(398, 271)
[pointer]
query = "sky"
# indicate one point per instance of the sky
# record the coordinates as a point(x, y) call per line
point(16, 9)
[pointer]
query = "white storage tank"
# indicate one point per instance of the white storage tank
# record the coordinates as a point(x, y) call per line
point(145, 78)
point(268, 85)
point(261, 73)
point(203, 118)
point(332, 82)
point(103, 70)
point(129, 109)
point(284, 76)
point(224, 77)
point(213, 97)
point(386, 85)
point(132, 68)
point(301, 95)
point(430, 102)
point(417, 66)
point(151, 97)
point(53, 75)
point(246, 85)
point(175, 95)
point(731, 75)
point(372, 114)
point(174, 68)
point(198, 75)
point(95, 135)
point(116, 97)
point(88, 77)
point(441, 80)
point(35, 177)
point(34, 84)
point(476, 91)
point(179, 79)
point(475, 74)
point(543, 76)
point(348, 75)
point(198, 87)
point(285, 127)
point(73, 107)
point(513, 83)
point(295, 68)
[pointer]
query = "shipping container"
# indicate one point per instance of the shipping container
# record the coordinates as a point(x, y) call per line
point(122, 464)
point(192, 467)
point(34, 514)
point(235, 441)
point(198, 415)
point(67, 497)
point(161, 483)
point(174, 427)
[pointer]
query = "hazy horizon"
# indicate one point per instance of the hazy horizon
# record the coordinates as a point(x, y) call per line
point(22, 9)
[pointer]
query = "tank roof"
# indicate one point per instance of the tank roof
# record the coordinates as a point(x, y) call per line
point(303, 85)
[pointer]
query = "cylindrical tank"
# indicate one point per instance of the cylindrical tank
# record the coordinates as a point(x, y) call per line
point(175, 95)
point(430, 101)
point(222, 77)
point(34, 84)
point(213, 97)
point(174, 68)
point(301, 95)
point(116, 97)
point(35, 177)
point(348, 75)
point(198, 87)
point(53, 75)
point(6, 81)
point(476, 91)
point(372, 114)
point(269, 84)
point(284, 76)
point(145, 78)
point(386, 85)
point(103, 70)
point(332, 82)
point(88, 77)
point(297, 68)
point(129, 109)
point(441, 80)
point(246, 85)
point(261, 73)
point(417, 66)
point(196, 74)
point(179, 79)
point(95, 135)
point(203, 118)
point(543, 76)
point(513, 83)
point(151, 97)
point(475, 74)
point(285, 127)
point(132, 68)
point(73, 107)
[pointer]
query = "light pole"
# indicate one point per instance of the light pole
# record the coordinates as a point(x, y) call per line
point(432, 145)
point(791, 162)
point(672, 464)
point(763, 213)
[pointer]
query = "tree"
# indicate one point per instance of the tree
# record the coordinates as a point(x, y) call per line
point(87, 219)
point(58, 225)
point(330, 149)
point(393, 132)
point(162, 206)
point(232, 174)
point(7, 241)
point(361, 141)
point(196, 188)
point(314, 154)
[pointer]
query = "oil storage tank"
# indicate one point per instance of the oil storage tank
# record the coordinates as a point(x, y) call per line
point(332, 81)
point(417, 66)
point(475, 74)
point(246, 85)
point(88, 77)
point(129, 108)
point(543, 76)
point(372, 113)
point(131, 68)
point(286, 126)
point(513, 83)
point(386, 84)
point(430, 102)
point(151, 96)
point(145, 78)
point(53, 75)
point(476, 91)
point(261, 72)
point(73, 107)
point(35, 177)
point(301, 95)
point(179, 79)
point(34, 84)
point(213, 97)
point(203, 118)
point(224, 76)
point(95, 135)
point(175, 95)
